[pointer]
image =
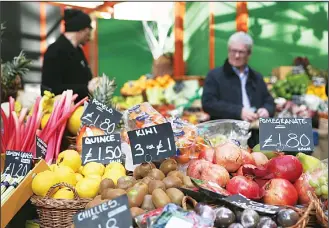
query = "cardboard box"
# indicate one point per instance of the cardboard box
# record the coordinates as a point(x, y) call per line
point(21, 194)
point(282, 71)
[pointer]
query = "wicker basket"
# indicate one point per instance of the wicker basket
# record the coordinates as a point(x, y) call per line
point(187, 200)
point(58, 213)
point(319, 213)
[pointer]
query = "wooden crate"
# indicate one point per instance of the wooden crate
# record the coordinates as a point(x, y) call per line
point(21, 194)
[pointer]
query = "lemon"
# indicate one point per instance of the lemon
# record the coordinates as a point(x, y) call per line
point(66, 174)
point(70, 158)
point(93, 168)
point(64, 193)
point(114, 174)
point(87, 188)
point(74, 122)
point(115, 165)
point(43, 181)
point(44, 120)
point(95, 177)
point(78, 177)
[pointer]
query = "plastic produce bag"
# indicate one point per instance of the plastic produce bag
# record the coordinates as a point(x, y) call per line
point(218, 131)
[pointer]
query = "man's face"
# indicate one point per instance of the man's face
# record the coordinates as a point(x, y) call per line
point(238, 54)
point(84, 36)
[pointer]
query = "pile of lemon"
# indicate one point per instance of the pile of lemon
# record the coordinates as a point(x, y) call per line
point(85, 179)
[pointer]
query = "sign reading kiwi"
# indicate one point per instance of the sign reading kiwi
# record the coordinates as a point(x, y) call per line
point(152, 143)
point(17, 163)
point(41, 148)
point(111, 214)
point(102, 149)
point(243, 202)
point(101, 116)
point(286, 134)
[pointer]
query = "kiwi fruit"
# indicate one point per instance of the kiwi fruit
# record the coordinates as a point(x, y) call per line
point(126, 182)
point(147, 179)
point(144, 169)
point(147, 203)
point(172, 182)
point(157, 174)
point(111, 193)
point(96, 201)
point(105, 184)
point(188, 182)
point(176, 173)
point(168, 165)
point(176, 196)
point(135, 197)
point(135, 211)
point(154, 184)
point(142, 186)
point(160, 198)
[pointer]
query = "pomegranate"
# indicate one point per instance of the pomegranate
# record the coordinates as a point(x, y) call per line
point(259, 158)
point(245, 186)
point(280, 192)
point(216, 174)
point(204, 170)
point(240, 171)
point(302, 186)
point(207, 153)
point(247, 158)
point(285, 166)
point(196, 167)
point(229, 156)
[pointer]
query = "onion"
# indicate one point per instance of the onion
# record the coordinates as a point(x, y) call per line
point(285, 166)
point(247, 158)
point(259, 158)
point(229, 156)
point(280, 192)
point(245, 186)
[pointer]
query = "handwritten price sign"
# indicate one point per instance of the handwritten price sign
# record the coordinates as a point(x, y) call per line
point(152, 143)
point(286, 134)
point(103, 149)
point(101, 116)
point(17, 163)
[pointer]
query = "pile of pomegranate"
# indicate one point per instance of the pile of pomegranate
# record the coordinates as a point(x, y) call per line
point(276, 181)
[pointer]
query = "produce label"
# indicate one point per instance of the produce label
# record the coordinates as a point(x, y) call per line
point(111, 214)
point(17, 163)
point(152, 143)
point(41, 148)
point(243, 202)
point(101, 116)
point(286, 134)
point(102, 149)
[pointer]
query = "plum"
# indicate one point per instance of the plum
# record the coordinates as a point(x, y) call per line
point(224, 217)
point(249, 218)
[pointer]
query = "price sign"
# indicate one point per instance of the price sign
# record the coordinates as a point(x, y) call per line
point(243, 202)
point(103, 149)
point(286, 134)
point(111, 214)
point(152, 143)
point(17, 163)
point(41, 148)
point(318, 81)
point(101, 116)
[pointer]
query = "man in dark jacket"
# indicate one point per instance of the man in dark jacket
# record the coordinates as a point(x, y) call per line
point(65, 65)
point(234, 90)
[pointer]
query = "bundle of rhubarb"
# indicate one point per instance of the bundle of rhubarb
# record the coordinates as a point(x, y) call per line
point(19, 131)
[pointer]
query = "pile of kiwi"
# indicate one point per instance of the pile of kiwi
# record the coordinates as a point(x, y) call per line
point(149, 187)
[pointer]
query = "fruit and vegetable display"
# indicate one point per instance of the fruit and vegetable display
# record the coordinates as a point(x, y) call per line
point(211, 164)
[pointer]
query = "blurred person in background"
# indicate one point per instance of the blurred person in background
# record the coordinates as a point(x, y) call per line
point(235, 90)
point(65, 65)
